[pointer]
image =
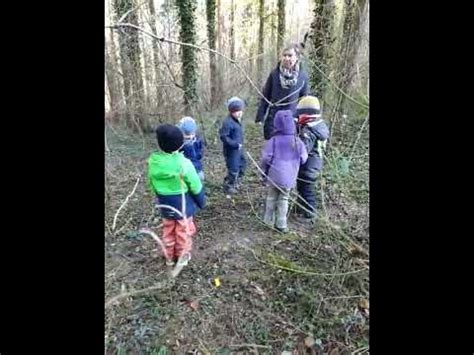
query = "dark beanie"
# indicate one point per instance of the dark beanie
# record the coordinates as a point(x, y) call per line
point(170, 138)
point(235, 104)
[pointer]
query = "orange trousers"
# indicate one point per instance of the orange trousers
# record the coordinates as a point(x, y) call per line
point(177, 242)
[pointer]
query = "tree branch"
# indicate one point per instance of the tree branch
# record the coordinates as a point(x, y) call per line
point(129, 12)
point(163, 39)
point(124, 203)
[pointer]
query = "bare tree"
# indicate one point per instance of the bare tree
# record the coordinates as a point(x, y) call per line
point(156, 56)
point(211, 36)
point(232, 34)
point(112, 80)
point(350, 42)
point(281, 25)
point(261, 13)
point(220, 47)
point(131, 65)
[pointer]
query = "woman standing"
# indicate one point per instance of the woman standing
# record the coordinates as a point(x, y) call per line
point(285, 85)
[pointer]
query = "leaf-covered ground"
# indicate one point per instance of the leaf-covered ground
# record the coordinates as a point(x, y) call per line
point(305, 292)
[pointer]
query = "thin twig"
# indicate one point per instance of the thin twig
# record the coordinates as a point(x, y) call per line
point(338, 88)
point(130, 11)
point(250, 346)
point(107, 149)
point(344, 297)
point(360, 350)
point(358, 137)
point(169, 68)
point(124, 203)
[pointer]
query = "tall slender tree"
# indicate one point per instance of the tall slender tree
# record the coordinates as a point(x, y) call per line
point(281, 25)
point(211, 37)
point(131, 66)
point(112, 79)
point(232, 31)
point(187, 16)
point(156, 56)
point(261, 14)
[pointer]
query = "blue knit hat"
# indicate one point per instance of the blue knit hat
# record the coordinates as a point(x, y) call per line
point(235, 104)
point(187, 125)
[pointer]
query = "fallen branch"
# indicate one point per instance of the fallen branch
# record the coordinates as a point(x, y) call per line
point(124, 203)
point(298, 271)
point(115, 299)
point(155, 237)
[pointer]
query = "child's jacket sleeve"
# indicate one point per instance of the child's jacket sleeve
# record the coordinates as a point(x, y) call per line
point(196, 189)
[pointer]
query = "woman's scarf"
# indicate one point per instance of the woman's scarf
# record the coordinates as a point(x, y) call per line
point(289, 77)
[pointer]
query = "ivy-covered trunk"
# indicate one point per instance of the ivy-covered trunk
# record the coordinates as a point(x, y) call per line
point(186, 16)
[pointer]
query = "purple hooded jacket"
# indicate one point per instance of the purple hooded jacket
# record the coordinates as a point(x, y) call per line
point(283, 154)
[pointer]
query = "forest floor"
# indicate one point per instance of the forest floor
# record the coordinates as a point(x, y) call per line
point(305, 292)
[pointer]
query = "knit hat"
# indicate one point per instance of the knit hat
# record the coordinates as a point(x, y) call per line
point(235, 104)
point(170, 138)
point(309, 105)
point(187, 125)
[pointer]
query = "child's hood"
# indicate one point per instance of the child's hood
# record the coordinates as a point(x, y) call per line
point(284, 123)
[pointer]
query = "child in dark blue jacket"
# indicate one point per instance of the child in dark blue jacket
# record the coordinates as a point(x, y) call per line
point(314, 133)
point(193, 144)
point(232, 137)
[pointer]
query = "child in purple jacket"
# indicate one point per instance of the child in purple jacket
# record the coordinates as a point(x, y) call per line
point(282, 156)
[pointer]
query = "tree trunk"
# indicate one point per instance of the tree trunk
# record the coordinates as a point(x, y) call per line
point(350, 35)
point(211, 36)
point(186, 15)
point(112, 82)
point(131, 66)
point(220, 48)
point(261, 13)
point(156, 56)
point(232, 34)
point(281, 25)
point(321, 38)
